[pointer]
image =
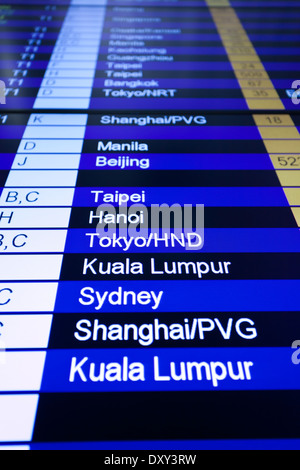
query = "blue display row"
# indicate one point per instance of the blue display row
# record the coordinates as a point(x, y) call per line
point(170, 369)
point(207, 444)
point(214, 196)
point(178, 296)
point(220, 240)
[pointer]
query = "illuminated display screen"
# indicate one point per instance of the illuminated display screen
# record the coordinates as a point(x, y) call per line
point(149, 225)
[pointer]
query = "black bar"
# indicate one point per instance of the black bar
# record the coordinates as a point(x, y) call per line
point(214, 217)
point(168, 415)
point(272, 329)
point(133, 266)
point(171, 178)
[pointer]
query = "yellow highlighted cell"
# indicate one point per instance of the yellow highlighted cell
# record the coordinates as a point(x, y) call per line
point(282, 146)
point(251, 74)
point(228, 32)
point(244, 58)
point(285, 161)
point(293, 196)
point(279, 132)
point(224, 14)
point(219, 3)
point(254, 103)
point(231, 41)
point(249, 66)
point(289, 177)
point(296, 212)
point(260, 93)
point(224, 10)
point(240, 51)
point(272, 120)
point(255, 83)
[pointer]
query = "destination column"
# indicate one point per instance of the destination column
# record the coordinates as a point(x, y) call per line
point(164, 59)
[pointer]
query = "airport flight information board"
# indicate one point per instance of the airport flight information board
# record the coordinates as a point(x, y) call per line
point(149, 225)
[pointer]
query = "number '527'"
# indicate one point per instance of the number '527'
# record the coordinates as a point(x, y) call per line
point(291, 161)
